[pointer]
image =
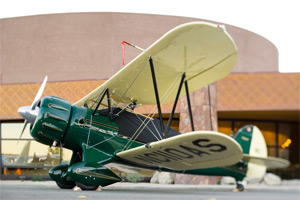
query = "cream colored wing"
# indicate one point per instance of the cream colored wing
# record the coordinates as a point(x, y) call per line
point(194, 150)
point(203, 51)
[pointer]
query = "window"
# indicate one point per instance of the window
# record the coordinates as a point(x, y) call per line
point(282, 139)
point(26, 156)
point(225, 127)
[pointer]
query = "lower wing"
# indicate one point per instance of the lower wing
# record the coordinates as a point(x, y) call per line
point(194, 150)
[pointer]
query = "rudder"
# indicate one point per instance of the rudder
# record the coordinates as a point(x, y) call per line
point(253, 143)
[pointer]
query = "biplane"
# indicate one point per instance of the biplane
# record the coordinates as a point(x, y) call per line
point(104, 128)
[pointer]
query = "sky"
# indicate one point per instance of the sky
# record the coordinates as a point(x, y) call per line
point(276, 20)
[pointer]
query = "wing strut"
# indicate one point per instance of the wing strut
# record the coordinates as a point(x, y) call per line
point(165, 132)
point(156, 95)
point(174, 105)
point(189, 105)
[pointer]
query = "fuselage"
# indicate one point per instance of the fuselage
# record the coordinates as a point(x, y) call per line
point(96, 137)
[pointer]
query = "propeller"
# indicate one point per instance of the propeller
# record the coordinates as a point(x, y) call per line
point(29, 113)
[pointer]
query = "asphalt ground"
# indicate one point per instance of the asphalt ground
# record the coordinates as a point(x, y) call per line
point(128, 191)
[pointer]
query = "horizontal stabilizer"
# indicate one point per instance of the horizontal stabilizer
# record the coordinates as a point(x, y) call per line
point(194, 150)
point(269, 162)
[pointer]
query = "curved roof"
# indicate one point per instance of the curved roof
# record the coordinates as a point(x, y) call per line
point(87, 46)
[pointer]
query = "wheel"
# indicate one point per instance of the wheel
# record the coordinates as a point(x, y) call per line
point(240, 187)
point(86, 187)
point(65, 186)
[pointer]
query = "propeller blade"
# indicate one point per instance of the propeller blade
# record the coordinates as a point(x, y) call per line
point(24, 127)
point(29, 113)
point(39, 94)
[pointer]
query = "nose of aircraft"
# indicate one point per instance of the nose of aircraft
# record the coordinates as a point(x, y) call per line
point(28, 114)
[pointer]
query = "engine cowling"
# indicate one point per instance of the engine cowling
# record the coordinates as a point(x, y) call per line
point(52, 120)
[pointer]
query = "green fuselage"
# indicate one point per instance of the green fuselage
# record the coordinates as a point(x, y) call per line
point(96, 140)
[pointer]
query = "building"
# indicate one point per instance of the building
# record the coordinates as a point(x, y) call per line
point(79, 51)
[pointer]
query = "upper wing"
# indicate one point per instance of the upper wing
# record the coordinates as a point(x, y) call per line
point(204, 52)
point(194, 150)
point(268, 162)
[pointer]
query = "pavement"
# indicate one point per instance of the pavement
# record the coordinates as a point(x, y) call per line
point(293, 185)
point(47, 190)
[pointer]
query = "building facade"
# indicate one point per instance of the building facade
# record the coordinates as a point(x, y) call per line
point(79, 51)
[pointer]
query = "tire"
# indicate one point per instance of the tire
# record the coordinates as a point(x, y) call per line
point(240, 187)
point(65, 186)
point(86, 187)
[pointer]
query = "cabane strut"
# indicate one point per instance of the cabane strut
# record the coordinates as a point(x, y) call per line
point(106, 92)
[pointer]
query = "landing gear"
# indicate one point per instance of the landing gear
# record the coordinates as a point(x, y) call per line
point(86, 187)
point(239, 188)
point(65, 186)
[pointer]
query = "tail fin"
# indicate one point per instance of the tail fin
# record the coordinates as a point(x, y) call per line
point(253, 143)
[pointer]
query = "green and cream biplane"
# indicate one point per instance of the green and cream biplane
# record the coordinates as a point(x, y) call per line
point(104, 128)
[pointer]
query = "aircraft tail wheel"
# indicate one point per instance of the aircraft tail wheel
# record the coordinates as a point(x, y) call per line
point(86, 187)
point(65, 186)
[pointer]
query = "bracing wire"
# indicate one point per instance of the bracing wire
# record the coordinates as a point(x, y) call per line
point(148, 127)
point(88, 138)
point(102, 142)
point(151, 114)
point(136, 77)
